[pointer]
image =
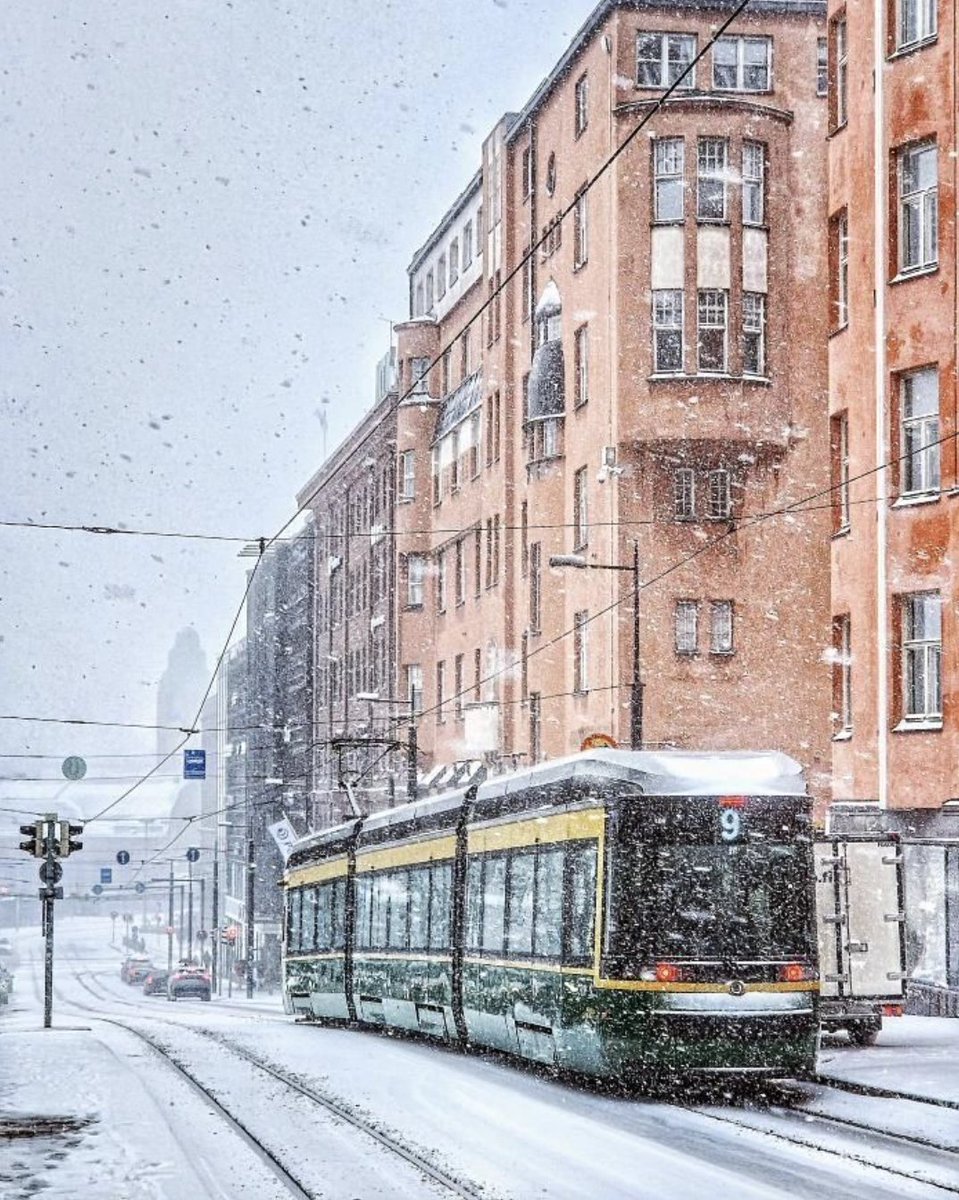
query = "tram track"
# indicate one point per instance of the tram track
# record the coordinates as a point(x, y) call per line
point(332, 1105)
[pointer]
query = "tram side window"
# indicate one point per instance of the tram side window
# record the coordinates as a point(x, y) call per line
point(338, 902)
point(419, 908)
point(522, 870)
point(494, 904)
point(548, 920)
point(397, 894)
point(308, 920)
point(324, 924)
point(581, 912)
point(474, 903)
point(440, 899)
point(296, 900)
point(381, 908)
point(364, 908)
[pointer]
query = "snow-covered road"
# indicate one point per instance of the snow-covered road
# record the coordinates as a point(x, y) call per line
point(347, 1113)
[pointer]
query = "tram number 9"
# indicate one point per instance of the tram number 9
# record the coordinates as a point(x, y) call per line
point(730, 825)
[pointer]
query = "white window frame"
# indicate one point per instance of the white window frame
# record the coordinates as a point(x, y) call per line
point(467, 245)
point(722, 627)
point(921, 656)
point(581, 509)
point(581, 230)
point(581, 103)
point(687, 627)
point(454, 258)
point(668, 305)
point(420, 376)
point(754, 183)
point(741, 67)
point(407, 475)
point(581, 366)
point(430, 290)
point(844, 508)
point(720, 495)
point(415, 580)
point(844, 664)
point(712, 313)
point(669, 169)
point(712, 167)
point(441, 279)
point(670, 66)
point(822, 66)
point(841, 35)
point(842, 277)
point(917, 21)
point(754, 334)
point(920, 472)
point(684, 494)
point(581, 652)
point(922, 204)
point(441, 580)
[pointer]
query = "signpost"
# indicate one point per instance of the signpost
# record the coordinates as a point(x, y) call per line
point(194, 764)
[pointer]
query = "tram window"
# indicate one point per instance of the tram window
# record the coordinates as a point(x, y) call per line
point(308, 920)
point(296, 901)
point(338, 904)
point(581, 912)
point(380, 905)
point(548, 921)
point(419, 908)
point(474, 902)
point(397, 891)
point(324, 924)
point(494, 903)
point(520, 930)
point(440, 893)
point(364, 910)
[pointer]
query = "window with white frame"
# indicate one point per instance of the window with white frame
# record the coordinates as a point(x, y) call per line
point(440, 692)
point(684, 494)
point(580, 652)
point(527, 172)
point(441, 277)
point(842, 271)
point(721, 627)
point(407, 475)
point(669, 158)
point(441, 580)
point(842, 667)
point(581, 229)
point(430, 290)
point(580, 510)
point(581, 366)
point(454, 260)
point(467, 244)
point(720, 495)
point(668, 331)
point(743, 64)
point(918, 207)
point(437, 475)
point(535, 586)
point(919, 392)
point(841, 44)
point(419, 375)
point(922, 656)
point(917, 22)
point(822, 67)
point(415, 574)
point(458, 687)
point(687, 626)
point(414, 687)
point(711, 179)
point(662, 57)
point(754, 183)
point(711, 344)
point(460, 571)
point(754, 333)
point(419, 307)
point(581, 104)
point(840, 471)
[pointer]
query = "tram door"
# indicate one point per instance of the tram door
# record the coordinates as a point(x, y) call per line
point(860, 905)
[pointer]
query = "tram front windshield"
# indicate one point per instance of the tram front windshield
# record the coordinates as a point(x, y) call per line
point(694, 880)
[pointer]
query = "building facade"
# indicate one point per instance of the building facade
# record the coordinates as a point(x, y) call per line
point(651, 381)
point(892, 403)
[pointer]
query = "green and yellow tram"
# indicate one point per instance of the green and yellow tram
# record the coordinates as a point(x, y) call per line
point(615, 913)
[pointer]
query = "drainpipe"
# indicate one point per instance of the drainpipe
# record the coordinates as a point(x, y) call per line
point(880, 252)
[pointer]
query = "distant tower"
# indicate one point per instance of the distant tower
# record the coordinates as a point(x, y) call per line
point(181, 688)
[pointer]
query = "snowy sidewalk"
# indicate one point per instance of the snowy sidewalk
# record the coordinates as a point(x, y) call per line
point(918, 1056)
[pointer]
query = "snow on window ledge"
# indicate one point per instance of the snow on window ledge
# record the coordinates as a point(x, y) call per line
point(919, 725)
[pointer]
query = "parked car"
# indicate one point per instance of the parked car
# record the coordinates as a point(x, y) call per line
point(6, 984)
point(188, 981)
point(155, 982)
point(135, 970)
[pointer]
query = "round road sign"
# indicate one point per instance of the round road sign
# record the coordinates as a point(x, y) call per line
point(192, 854)
point(73, 768)
point(139, 888)
point(123, 857)
point(97, 889)
point(51, 872)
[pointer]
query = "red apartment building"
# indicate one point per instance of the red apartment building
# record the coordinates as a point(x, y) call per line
point(651, 380)
point(892, 403)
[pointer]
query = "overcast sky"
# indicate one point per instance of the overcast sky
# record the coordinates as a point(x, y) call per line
point(206, 212)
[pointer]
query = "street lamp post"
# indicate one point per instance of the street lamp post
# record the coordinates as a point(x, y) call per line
point(636, 698)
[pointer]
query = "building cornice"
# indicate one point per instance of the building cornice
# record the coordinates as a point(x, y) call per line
point(707, 100)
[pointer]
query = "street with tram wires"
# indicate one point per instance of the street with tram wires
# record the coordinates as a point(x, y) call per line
point(131, 1096)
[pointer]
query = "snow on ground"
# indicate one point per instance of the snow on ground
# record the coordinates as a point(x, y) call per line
point(918, 1055)
point(512, 1133)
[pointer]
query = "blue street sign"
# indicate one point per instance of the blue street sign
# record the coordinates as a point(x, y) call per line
point(139, 888)
point(97, 890)
point(123, 857)
point(194, 764)
point(192, 854)
point(106, 875)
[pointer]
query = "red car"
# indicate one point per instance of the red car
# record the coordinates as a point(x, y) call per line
point(135, 970)
point(188, 981)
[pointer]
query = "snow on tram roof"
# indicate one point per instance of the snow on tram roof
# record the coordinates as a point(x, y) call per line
point(654, 772)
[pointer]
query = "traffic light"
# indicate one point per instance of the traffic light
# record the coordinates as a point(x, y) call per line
point(34, 835)
point(66, 842)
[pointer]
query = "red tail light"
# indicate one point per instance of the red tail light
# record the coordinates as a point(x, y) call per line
point(892, 1010)
point(668, 973)
point(795, 972)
